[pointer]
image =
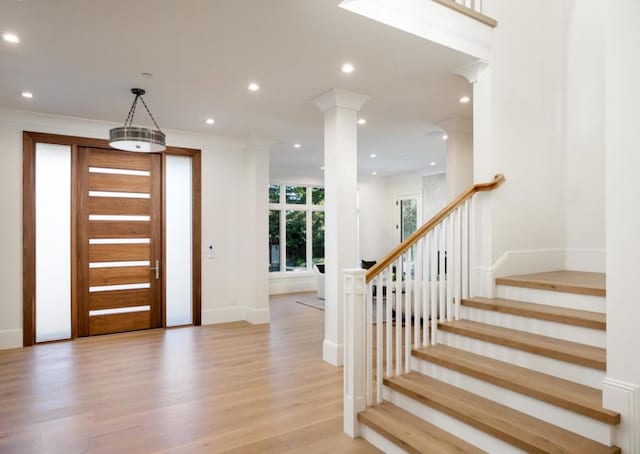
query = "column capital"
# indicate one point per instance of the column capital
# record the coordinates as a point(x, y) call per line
point(337, 97)
point(473, 71)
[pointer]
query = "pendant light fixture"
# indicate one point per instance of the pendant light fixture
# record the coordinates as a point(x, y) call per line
point(134, 138)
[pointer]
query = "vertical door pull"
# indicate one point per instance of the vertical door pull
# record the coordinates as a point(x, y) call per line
point(157, 269)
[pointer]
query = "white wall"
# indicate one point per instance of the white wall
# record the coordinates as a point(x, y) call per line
point(374, 222)
point(225, 219)
point(621, 390)
point(434, 195)
point(584, 136)
point(518, 126)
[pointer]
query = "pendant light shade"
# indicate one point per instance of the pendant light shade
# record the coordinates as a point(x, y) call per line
point(135, 138)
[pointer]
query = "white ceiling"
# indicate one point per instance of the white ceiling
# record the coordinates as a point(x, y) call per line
point(80, 58)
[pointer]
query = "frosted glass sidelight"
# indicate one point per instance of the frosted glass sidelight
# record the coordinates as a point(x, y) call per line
point(179, 241)
point(53, 242)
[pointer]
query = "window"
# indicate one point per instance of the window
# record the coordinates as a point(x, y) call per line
point(296, 227)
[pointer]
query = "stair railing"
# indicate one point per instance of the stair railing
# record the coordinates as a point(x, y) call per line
point(397, 304)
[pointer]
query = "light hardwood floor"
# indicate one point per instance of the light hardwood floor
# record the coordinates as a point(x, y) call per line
point(225, 388)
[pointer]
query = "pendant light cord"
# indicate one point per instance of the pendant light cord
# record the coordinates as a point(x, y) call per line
point(132, 112)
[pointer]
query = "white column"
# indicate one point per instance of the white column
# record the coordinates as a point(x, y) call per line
point(478, 74)
point(355, 349)
point(258, 216)
point(621, 390)
point(459, 154)
point(340, 110)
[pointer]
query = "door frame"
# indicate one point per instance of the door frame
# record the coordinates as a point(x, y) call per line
point(29, 141)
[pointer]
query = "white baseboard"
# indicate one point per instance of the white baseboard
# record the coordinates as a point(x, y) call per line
point(526, 261)
point(333, 353)
point(529, 261)
point(10, 338)
point(279, 284)
point(258, 316)
point(235, 314)
point(625, 399)
point(592, 260)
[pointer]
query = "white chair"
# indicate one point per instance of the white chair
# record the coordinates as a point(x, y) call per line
point(318, 271)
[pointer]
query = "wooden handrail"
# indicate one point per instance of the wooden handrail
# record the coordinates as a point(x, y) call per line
point(431, 223)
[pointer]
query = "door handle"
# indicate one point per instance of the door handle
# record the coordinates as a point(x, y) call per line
point(157, 269)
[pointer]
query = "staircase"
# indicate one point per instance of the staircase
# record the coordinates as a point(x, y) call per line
point(521, 372)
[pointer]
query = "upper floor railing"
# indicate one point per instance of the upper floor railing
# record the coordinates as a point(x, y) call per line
point(471, 8)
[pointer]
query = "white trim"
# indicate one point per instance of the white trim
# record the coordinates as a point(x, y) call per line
point(624, 398)
point(236, 314)
point(10, 338)
point(593, 260)
point(258, 316)
point(333, 353)
point(223, 315)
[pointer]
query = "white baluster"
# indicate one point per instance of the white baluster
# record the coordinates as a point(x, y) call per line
point(398, 322)
point(433, 283)
point(458, 260)
point(354, 349)
point(369, 344)
point(465, 250)
point(426, 292)
point(442, 287)
point(450, 260)
point(408, 282)
point(389, 319)
point(379, 302)
point(471, 237)
point(417, 286)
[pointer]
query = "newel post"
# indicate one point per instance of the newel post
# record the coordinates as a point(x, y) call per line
point(354, 349)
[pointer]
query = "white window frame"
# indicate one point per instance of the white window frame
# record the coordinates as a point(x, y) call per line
point(283, 207)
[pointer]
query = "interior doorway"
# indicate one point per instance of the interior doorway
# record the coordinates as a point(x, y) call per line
point(111, 238)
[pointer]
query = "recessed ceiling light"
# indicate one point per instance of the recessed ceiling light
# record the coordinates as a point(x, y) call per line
point(322, 168)
point(348, 68)
point(432, 163)
point(10, 38)
point(147, 75)
point(362, 121)
point(210, 121)
point(374, 173)
point(254, 86)
point(373, 155)
point(465, 99)
point(27, 94)
point(296, 145)
point(445, 137)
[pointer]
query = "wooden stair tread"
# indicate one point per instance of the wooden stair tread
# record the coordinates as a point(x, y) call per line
point(412, 433)
point(563, 393)
point(560, 281)
point(573, 352)
point(587, 319)
point(521, 430)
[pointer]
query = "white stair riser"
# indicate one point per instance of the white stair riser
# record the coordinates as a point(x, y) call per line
point(568, 371)
point(452, 425)
point(588, 336)
point(574, 422)
point(379, 441)
point(552, 298)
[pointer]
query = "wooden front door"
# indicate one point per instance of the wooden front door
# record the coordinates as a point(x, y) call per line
point(119, 244)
